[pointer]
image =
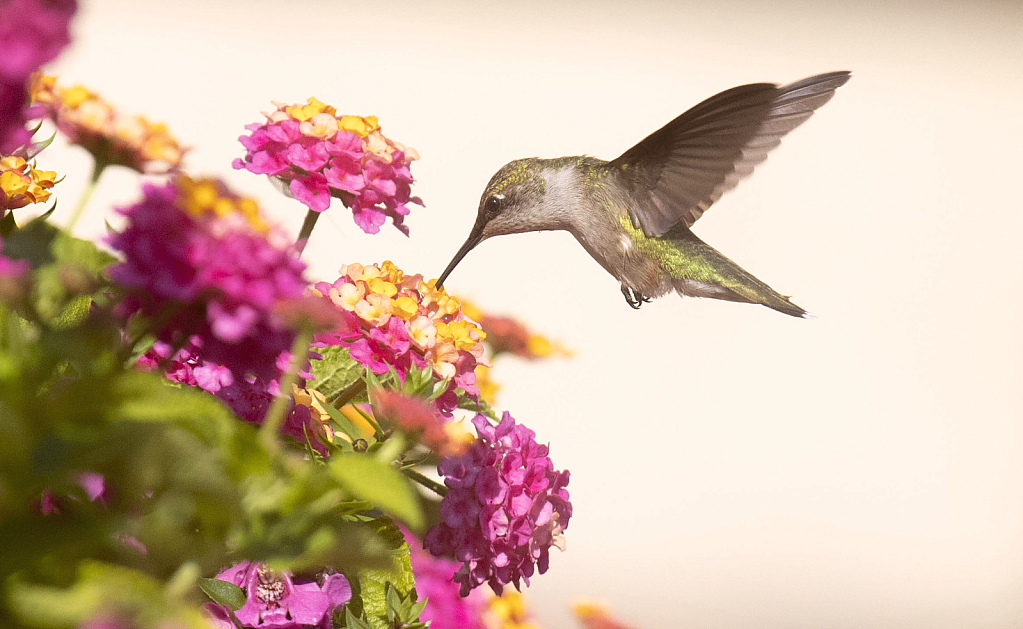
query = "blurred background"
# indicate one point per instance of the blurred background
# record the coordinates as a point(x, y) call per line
point(731, 466)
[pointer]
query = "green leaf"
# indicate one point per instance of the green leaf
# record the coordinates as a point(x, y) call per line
point(390, 448)
point(335, 371)
point(8, 224)
point(35, 148)
point(370, 479)
point(32, 243)
point(353, 622)
point(71, 250)
point(74, 313)
point(375, 588)
point(224, 593)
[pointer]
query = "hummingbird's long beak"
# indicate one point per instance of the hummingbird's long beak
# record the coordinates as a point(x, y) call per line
point(475, 238)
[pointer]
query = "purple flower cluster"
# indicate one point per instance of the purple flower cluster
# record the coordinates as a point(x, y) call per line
point(32, 32)
point(280, 600)
point(320, 155)
point(505, 507)
point(200, 259)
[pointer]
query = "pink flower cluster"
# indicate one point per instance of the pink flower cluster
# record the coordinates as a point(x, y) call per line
point(390, 319)
point(201, 260)
point(280, 600)
point(32, 32)
point(320, 155)
point(505, 507)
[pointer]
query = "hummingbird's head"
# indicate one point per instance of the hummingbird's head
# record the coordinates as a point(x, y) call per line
point(513, 202)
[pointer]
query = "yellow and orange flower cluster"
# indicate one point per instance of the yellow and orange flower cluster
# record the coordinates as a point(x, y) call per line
point(406, 309)
point(112, 137)
point(317, 119)
point(507, 611)
point(595, 616)
point(507, 335)
point(208, 197)
point(22, 184)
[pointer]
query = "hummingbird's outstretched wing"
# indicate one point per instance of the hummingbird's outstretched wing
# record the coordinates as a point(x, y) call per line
point(682, 168)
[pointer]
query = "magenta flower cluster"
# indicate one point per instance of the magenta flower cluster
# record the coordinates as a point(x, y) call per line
point(32, 32)
point(505, 507)
point(221, 274)
point(280, 600)
point(320, 155)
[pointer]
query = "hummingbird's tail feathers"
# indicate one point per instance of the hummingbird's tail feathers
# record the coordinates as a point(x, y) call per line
point(756, 293)
point(702, 271)
point(680, 170)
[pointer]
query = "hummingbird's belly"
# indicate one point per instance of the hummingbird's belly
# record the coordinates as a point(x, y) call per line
point(630, 267)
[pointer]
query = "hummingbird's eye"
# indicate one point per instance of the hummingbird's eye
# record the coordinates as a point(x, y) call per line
point(493, 204)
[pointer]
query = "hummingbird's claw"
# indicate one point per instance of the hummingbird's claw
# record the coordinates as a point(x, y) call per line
point(633, 297)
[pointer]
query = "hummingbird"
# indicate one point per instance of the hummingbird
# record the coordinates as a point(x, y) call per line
point(633, 214)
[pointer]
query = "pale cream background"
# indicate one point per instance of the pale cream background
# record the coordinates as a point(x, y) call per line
point(732, 467)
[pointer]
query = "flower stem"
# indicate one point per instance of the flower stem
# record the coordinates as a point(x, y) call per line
point(97, 169)
point(345, 397)
point(306, 231)
point(279, 407)
point(425, 481)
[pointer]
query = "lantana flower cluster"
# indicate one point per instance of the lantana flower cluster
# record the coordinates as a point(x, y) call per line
point(509, 335)
point(32, 32)
point(280, 600)
point(319, 154)
point(112, 137)
point(505, 507)
point(393, 320)
point(194, 249)
point(21, 183)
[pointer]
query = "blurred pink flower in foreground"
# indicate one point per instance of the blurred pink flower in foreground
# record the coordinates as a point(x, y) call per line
point(32, 32)
point(202, 260)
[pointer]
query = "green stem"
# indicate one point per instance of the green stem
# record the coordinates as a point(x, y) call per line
point(346, 396)
point(97, 169)
point(306, 231)
point(279, 407)
point(425, 481)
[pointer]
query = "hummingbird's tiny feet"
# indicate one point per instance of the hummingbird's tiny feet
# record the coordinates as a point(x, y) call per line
point(633, 297)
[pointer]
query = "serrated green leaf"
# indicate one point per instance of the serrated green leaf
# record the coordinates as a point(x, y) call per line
point(335, 371)
point(223, 593)
point(373, 587)
point(379, 483)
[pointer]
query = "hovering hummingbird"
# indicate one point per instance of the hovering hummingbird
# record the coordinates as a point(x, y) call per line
point(633, 214)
